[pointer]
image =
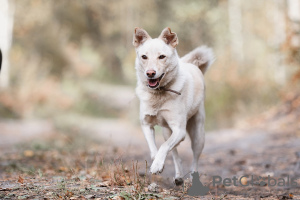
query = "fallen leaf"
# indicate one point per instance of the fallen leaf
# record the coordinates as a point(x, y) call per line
point(63, 169)
point(5, 189)
point(106, 177)
point(28, 153)
point(91, 196)
point(20, 180)
point(69, 194)
point(118, 198)
point(104, 184)
point(77, 179)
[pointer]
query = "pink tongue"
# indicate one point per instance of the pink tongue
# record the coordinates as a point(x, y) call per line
point(152, 82)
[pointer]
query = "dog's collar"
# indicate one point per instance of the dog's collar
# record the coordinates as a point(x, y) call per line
point(169, 90)
point(166, 89)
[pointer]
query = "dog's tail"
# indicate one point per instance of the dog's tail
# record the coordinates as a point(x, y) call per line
point(202, 57)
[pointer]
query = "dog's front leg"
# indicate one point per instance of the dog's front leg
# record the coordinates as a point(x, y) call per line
point(177, 136)
point(149, 135)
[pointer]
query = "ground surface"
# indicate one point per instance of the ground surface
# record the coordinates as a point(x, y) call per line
point(107, 159)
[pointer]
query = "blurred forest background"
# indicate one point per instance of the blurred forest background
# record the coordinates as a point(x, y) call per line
point(75, 59)
point(68, 111)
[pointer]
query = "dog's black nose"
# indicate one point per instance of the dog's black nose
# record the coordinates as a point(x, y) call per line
point(151, 73)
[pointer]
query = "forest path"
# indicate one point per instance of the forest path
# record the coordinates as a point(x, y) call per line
point(227, 153)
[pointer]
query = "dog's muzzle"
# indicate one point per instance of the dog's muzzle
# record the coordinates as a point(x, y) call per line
point(154, 83)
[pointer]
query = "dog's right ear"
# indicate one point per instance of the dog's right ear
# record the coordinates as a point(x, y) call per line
point(139, 37)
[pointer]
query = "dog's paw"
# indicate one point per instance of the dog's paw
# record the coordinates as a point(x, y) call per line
point(178, 181)
point(157, 166)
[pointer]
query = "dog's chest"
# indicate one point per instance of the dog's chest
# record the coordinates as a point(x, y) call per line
point(155, 120)
point(153, 112)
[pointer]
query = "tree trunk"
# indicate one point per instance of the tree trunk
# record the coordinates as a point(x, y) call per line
point(293, 34)
point(277, 39)
point(235, 30)
point(6, 21)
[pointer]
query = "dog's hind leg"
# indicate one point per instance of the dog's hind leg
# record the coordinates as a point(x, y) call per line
point(195, 128)
point(177, 161)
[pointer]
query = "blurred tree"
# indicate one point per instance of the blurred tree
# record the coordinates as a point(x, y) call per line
point(73, 46)
point(236, 30)
point(6, 25)
point(293, 35)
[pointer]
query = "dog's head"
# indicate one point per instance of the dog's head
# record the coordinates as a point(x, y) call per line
point(157, 59)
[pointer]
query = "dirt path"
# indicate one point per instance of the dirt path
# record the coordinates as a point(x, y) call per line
point(227, 153)
point(16, 131)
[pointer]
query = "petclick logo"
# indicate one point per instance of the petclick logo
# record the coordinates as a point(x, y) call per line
point(259, 181)
point(198, 189)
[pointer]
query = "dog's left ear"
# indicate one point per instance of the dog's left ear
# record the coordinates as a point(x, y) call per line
point(169, 37)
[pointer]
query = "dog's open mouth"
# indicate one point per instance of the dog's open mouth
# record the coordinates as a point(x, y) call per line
point(154, 83)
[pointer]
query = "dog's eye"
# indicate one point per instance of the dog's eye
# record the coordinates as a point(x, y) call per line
point(144, 57)
point(161, 56)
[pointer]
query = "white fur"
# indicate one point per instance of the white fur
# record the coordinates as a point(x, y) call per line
point(177, 114)
point(202, 57)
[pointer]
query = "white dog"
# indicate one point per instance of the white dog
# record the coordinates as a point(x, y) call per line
point(171, 92)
